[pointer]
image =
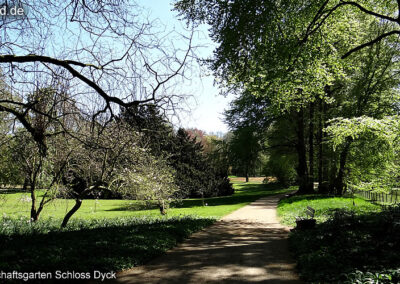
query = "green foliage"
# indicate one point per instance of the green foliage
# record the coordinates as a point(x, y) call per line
point(261, 47)
point(386, 276)
point(282, 160)
point(10, 170)
point(194, 170)
point(354, 241)
point(373, 157)
point(349, 248)
point(283, 59)
point(244, 150)
point(281, 167)
point(248, 110)
point(385, 130)
point(105, 245)
point(191, 165)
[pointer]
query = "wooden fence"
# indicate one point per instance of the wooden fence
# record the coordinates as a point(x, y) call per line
point(393, 197)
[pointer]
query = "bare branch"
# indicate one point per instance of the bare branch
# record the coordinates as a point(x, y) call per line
point(372, 42)
point(74, 72)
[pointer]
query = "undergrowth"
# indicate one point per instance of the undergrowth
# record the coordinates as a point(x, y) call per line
point(85, 245)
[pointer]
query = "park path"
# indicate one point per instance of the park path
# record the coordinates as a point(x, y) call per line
point(246, 246)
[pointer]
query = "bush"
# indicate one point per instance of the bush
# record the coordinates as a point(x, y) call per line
point(194, 173)
point(349, 248)
point(386, 276)
point(282, 168)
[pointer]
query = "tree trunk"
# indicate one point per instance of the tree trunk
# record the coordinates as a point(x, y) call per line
point(326, 163)
point(34, 215)
point(338, 184)
point(25, 186)
point(41, 206)
point(247, 173)
point(33, 176)
point(162, 206)
point(78, 203)
point(322, 183)
point(304, 184)
point(311, 144)
point(319, 142)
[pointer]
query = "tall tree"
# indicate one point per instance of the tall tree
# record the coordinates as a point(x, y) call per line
point(244, 150)
point(270, 49)
point(195, 173)
point(108, 54)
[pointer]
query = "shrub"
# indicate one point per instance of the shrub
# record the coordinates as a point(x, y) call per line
point(349, 248)
point(87, 245)
point(282, 168)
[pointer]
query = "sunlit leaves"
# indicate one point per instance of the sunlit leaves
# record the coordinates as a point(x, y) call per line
point(373, 162)
point(386, 129)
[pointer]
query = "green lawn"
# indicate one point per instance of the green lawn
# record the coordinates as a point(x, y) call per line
point(290, 208)
point(18, 205)
point(109, 235)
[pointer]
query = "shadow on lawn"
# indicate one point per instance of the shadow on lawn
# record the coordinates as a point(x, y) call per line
point(109, 247)
point(243, 194)
point(12, 190)
point(334, 250)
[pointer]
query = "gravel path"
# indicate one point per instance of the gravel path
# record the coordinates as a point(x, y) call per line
point(246, 246)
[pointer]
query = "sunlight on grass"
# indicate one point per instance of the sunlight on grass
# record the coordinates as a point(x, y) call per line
point(290, 208)
point(18, 204)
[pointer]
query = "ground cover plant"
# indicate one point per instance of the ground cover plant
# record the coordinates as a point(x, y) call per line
point(350, 243)
point(84, 245)
point(95, 240)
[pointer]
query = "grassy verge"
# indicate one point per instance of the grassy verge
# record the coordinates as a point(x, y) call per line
point(325, 206)
point(350, 244)
point(115, 236)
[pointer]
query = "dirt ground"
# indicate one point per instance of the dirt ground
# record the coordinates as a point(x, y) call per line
point(246, 246)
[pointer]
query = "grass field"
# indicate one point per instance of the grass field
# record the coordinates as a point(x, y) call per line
point(109, 235)
point(18, 204)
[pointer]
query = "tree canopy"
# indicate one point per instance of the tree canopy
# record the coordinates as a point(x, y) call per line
point(311, 66)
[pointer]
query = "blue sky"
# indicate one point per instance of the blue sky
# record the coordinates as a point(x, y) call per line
point(206, 114)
